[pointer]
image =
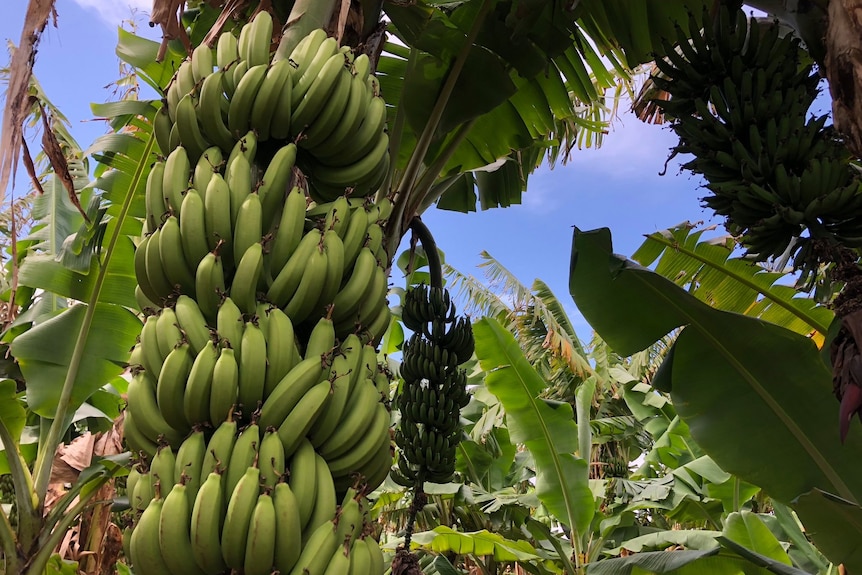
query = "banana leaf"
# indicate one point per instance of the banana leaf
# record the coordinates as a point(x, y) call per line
point(44, 353)
point(651, 561)
point(835, 526)
point(550, 434)
point(444, 539)
point(756, 397)
point(747, 531)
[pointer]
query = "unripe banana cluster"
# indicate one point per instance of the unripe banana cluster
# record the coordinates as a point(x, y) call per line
point(321, 98)
point(256, 401)
point(224, 505)
point(740, 101)
point(434, 388)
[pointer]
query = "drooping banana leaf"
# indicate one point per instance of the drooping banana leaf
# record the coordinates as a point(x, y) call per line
point(748, 532)
point(550, 434)
point(706, 269)
point(835, 526)
point(443, 539)
point(756, 397)
point(651, 561)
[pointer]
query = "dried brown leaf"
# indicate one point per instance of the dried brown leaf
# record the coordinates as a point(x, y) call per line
point(57, 158)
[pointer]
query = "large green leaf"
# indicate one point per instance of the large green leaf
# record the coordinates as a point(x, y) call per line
point(444, 539)
point(730, 284)
point(835, 526)
point(550, 434)
point(699, 539)
point(652, 561)
point(44, 353)
point(756, 397)
point(746, 529)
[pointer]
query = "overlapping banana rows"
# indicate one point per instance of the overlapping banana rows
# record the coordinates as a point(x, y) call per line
point(321, 98)
point(434, 389)
point(231, 239)
point(740, 101)
point(225, 505)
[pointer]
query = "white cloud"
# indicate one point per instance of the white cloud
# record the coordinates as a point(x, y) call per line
point(113, 13)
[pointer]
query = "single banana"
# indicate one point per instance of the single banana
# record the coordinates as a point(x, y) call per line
point(339, 562)
point(202, 62)
point(321, 340)
point(252, 369)
point(209, 110)
point(279, 125)
point(369, 305)
point(244, 288)
point(168, 333)
point(334, 110)
point(357, 103)
point(141, 276)
point(290, 390)
point(334, 248)
point(353, 238)
point(175, 532)
point(351, 174)
point(230, 324)
point(306, 48)
point(176, 179)
point(259, 39)
point(207, 520)
point(345, 367)
point(240, 509)
point(238, 178)
point(377, 560)
point(303, 481)
point(210, 285)
point(243, 456)
point(290, 275)
point(153, 196)
point(196, 399)
point(361, 141)
point(249, 225)
point(152, 358)
point(239, 114)
point(325, 502)
point(226, 50)
point(219, 225)
point(348, 300)
point(360, 559)
point(304, 301)
point(271, 459)
point(231, 80)
point(261, 542)
point(192, 323)
point(268, 96)
point(143, 493)
point(162, 125)
point(289, 232)
point(208, 164)
point(318, 550)
point(174, 264)
point(171, 386)
point(162, 470)
point(296, 425)
point(225, 385)
point(193, 229)
point(282, 353)
point(349, 520)
point(191, 137)
point(288, 531)
point(273, 189)
point(219, 448)
point(144, 545)
point(247, 146)
point(156, 277)
point(185, 77)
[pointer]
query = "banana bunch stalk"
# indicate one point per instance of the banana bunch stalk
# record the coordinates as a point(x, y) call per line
point(740, 95)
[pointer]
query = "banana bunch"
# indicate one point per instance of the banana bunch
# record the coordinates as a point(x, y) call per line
point(434, 388)
point(740, 97)
point(322, 98)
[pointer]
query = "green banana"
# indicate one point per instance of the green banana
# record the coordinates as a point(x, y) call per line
point(155, 273)
point(304, 78)
point(209, 110)
point(243, 455)
point(219, 448)
point(318, 94)
point(268, 96)
point(334, 248)
point(174, 264)
point(303, 480)
point(244, 288)
point(339, 562)
point(353, 173)
point(207, 520)
point(325, 502)
point(318, 550)
point(377, 561)
point(362, 410)
point(152, 357)
point(249, 225)
point(373, 439)
point(289, 233)
point(271, 459)
point(192, 323)
point(143, 493)
point(272, 190)
point(196, 399)
point(225, 386)
point(162, 125)
point(345, 368)
point(348, 300)
point(240, 509)
point(210, 285)
point(141, 403)
point(361, 141)
point(175, 540)
point(290, 390)
point(193, 229)
point(191, 137)
point(321, 341)
point(176, 179)
point(153, 196)
point(242, 101)
point(135, 439)
point(288, 531)
point(219, 226)
point(331, 113)
point(230, 324)
point(261, 542)
point(140, 263)
point(304, 300)
point(144, 545)
point(360, 559)
point(282, 353)
point(296, 425)
point(252, 369)
point(259, 39)
point(357, 103)
point(238, 178)
point(162, 471)
point(288, 278)
point(171, 386)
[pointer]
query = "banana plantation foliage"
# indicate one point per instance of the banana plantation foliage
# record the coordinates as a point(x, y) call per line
point(216, 361)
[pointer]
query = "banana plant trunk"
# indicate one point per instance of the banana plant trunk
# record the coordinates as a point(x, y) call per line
point(843, 64)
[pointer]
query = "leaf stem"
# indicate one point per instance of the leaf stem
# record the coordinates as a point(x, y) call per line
point(421, 198)
point(397, 128)
point(45, 458)
point(28, 504)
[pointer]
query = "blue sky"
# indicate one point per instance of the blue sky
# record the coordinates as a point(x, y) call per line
point(616, 186)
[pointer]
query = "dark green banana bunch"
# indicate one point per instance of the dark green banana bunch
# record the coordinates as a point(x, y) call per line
point(740, 99)
point(434, 388)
